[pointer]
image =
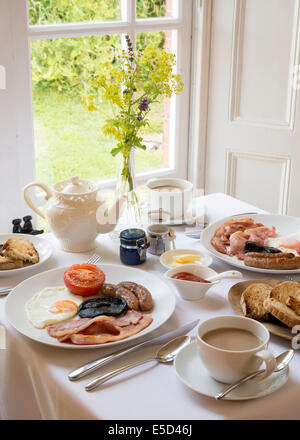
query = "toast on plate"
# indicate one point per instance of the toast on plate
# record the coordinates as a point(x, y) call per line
point(20, 249)
point(8, 263)
point(288, 293)
point(282, 312)
point(252, 301)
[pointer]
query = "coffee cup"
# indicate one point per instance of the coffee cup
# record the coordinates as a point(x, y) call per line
point(232, 347)
point(169, 199)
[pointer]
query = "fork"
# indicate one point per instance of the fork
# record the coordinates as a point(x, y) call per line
point(94, 259)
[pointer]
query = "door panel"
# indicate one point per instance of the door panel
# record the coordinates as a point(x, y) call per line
point(253, 130)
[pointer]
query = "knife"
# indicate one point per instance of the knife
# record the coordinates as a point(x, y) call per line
point(94, 365)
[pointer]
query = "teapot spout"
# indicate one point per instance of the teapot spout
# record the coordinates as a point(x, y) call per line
point(107, 221)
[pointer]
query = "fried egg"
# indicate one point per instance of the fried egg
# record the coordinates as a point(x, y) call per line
point(290, 242)
point(51, 306)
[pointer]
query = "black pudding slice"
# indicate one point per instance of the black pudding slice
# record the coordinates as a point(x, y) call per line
point(102, 306)
point(252, 246)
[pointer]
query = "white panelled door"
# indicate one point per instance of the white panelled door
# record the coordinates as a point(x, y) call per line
point(253, 131)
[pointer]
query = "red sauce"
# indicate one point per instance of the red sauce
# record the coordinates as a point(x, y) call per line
point(189, 277)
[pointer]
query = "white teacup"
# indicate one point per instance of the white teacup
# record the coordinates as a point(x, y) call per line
point(169, 199)
point(228, 366)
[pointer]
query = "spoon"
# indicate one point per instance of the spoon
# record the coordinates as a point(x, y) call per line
point(227, 274)
point(165, 354)
point(282, 361)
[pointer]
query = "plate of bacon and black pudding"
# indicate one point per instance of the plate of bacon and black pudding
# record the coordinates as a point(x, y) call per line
point(86, 306)
point(262, 243)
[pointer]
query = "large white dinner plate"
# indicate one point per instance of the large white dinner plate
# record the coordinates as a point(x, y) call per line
point(164, 301)
point(43, 247)
point(284, 226)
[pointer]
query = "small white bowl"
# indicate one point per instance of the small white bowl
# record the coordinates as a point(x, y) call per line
point(192, 290)
point(166, 258)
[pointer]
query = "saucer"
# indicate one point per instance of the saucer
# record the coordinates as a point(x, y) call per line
point(191, 371)
point(189, 219)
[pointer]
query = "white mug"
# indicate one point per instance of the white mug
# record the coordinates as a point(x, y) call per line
point(167, 205)
point(230, 366)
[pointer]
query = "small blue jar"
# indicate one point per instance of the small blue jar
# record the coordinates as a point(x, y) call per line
point(133, 246)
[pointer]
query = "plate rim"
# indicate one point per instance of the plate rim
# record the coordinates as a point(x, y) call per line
point(232, 398)
point(90, 346)
point(33, 266)
point(213, 226)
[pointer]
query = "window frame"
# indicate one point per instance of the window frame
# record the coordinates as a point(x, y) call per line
point(16, 50)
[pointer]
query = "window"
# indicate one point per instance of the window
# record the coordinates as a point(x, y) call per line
point(47, 49)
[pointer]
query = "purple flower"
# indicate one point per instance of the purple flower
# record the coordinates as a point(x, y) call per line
point(144, 104)
point(139, 117)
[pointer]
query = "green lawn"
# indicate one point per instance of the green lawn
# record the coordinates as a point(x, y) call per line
point(69, 140)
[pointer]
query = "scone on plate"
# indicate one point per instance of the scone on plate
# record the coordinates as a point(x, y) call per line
point(20, 249)
point(7, 263)
point(282, 312)
point(288, 293)
point(252, 301)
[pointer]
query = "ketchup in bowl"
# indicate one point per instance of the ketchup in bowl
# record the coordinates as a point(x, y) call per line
point(186, 276)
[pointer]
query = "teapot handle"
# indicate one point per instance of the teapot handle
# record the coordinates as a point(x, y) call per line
point(29, 201)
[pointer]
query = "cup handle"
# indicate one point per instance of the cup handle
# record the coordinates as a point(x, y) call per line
point(270, 362)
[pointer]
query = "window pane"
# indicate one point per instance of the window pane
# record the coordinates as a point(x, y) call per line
point(69, 11)
point(156, 8)
point(69, 139)
point(157, 137)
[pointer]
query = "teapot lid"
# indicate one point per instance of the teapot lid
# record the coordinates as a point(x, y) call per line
point(76, 186)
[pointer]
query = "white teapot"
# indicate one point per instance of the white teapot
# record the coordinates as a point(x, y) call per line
point(75, 212)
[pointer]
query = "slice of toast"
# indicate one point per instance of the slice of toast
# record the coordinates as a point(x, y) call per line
point(8, 263)
point(294, 303)
point(252, 301)
point(282, 312)
point(20, 249)
point(288, 293)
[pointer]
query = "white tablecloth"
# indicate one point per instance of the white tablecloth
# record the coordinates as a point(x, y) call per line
point(33, 377)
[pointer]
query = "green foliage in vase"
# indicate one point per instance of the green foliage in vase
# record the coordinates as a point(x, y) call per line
point(154, 70)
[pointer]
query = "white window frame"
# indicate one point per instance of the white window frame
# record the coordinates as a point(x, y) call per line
point(16, 113)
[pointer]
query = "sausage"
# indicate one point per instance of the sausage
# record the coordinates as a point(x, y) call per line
point(283, 261)
point(282, 255)
point(129, 297)
point(142, 294)
point(108, 289)
point(113, 290)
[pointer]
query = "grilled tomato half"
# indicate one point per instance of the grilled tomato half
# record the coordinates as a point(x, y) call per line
point(84, 279)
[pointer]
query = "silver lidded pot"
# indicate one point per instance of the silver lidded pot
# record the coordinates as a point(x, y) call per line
point(161, 237)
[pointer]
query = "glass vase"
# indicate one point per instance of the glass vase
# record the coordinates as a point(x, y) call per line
point(131, 210)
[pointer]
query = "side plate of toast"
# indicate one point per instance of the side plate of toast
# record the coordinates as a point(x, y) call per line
point(21, 253)
point(274, 303)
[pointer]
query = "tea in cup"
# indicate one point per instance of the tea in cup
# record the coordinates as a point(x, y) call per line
point(169, 199)
point(232, 347)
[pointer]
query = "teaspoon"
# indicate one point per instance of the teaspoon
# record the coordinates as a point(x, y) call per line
point(227, 274)
point(282, 361)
